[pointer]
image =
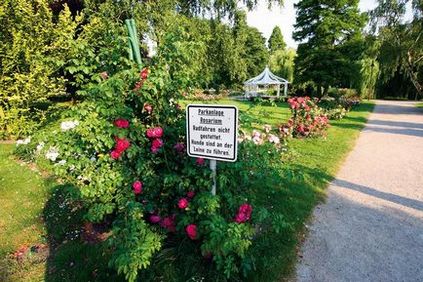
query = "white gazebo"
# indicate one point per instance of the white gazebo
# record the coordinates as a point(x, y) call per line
point(259, 84)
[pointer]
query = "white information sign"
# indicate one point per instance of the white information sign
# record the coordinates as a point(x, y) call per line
point(212, 132)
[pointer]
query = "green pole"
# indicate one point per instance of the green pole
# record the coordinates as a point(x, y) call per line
point(133, 42)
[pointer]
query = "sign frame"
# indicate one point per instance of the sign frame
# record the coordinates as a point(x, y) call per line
point(199, 155)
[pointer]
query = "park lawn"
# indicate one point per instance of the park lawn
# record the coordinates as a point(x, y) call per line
point(420, 105)
point(309, 166)
point(23, 194)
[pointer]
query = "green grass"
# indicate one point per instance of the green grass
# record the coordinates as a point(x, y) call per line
point(36, 209)
point(22, 198)
point(313, 164)
point(420, 105)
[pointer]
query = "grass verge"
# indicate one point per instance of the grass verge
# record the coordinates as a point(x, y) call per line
point(37, 210)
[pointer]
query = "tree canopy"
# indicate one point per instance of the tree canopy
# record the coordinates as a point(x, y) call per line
point(276, 41)
point(400, 52)
point(327, 30)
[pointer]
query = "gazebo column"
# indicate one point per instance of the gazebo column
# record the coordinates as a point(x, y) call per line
point(285, 89)
point(279, 90)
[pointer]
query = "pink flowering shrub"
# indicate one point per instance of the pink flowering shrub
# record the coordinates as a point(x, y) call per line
point(307, 120)
point(127, 156)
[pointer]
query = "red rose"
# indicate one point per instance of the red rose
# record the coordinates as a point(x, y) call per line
point(144, 74)
point(121, 144)
point(200, 161)
point(121, 123)
point(137, 187)
point(154, 218)
point(191, 194)
point(115, 155)
point(191, 231)
point(183, 203)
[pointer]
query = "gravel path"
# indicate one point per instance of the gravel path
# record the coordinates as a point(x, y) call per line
point(371, 226)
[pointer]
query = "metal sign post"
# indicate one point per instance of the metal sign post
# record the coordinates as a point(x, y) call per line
point(213, 165)
point(212, 133)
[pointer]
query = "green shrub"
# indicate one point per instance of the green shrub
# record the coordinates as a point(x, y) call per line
point(124, 148)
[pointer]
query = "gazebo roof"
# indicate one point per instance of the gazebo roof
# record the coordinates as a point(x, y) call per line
point(266, 78)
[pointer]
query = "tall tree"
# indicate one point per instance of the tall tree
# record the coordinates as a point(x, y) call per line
point(325, 28)
point(256, 52)
point(281, 62)
point(276, 41)
point(401, 43)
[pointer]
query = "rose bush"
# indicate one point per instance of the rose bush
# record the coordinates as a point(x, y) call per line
point(125, 151)
point(307, 120)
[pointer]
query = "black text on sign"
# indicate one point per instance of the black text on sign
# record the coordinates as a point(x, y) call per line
point(212, 132)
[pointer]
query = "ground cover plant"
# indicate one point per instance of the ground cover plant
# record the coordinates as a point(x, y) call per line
point(289, 189)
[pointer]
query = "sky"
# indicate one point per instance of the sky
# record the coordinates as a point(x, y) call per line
point(265, 20)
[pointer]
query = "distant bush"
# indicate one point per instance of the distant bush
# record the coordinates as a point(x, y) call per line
point(307, 120)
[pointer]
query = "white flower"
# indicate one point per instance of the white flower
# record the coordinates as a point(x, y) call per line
point(72, 167)
point(256, 134)
point(40, 146)
point(67, 125)
point(26, 141)
point(52, 154)
point(274, 139)
point(93, 159)
point(62, 162)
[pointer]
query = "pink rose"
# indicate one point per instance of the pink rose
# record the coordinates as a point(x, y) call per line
point(137, 187)
point(154, 218)
point(158, 143)
point(121, 123)
point(183, 203)
point(200, 161)
point(168, 223)
point(104, 75)
point(121, 144)
point(137, 86)
point(179, 147)
point(191, 231)
point(155, 132)
point(144, 74)
point(148, 108)
point(244, 213)
point(240, 218)
point(115, 155)
point(191, 194)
